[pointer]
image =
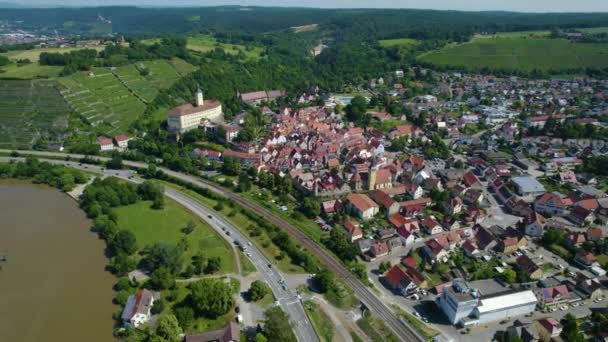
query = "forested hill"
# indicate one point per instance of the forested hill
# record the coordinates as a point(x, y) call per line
point(377, 23)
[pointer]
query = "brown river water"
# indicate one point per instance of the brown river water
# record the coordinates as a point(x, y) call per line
point(53, 286)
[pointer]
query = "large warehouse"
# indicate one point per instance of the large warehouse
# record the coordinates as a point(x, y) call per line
point(464, 305)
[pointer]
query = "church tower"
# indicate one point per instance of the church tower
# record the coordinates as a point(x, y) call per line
point(199, 97)
point(372, 178)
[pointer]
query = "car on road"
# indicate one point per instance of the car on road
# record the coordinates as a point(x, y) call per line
point(248, 254)
point(249, 243)
point(209, 216)
point(269, 266)
point(227, 233)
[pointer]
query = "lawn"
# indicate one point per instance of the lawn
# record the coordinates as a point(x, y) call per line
point(150, 226)
point(422, 328)
point(242, 222)
point(602, 259)
point(30, 109)
point(29, 71)
point(34, 54)
point(102, 100)
point(400, 42)
point(517, 53)
point(320, 321)
point(206, 43)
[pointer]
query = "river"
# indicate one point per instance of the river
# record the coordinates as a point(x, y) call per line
point(53, 286)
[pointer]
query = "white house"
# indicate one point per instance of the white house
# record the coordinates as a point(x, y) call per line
point(122, 141)
point(138, 308)
point(105, 144)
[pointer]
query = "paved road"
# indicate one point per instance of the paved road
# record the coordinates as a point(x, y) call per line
point(399, 326)
point(286, 298)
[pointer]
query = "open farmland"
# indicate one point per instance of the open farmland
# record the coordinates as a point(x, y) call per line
point(400, 42)
point(520, 54)
point(30, 109)
point(205, 43)
point(102, 100)
point(29, 71)
point(34, 54)
point(160, 75)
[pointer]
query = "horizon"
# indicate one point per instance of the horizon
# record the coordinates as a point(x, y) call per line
point(522, 6)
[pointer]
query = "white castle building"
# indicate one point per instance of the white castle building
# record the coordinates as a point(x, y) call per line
point(187, 117)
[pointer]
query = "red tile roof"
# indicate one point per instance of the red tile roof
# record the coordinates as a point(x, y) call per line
point(361, 202)
point(188, 108)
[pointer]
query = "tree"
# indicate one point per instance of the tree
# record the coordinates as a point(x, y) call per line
point(570, 330)
point(124, 242)
point(162, 279)
point(213, 265)
point(210, 298)
point(278, 327)
point(324, 280)
point(510, 276)
point(189, 228)
point(356, 110)
point(158, 306)
point(258, 290)
point(115, 163)
point(311, 207)
point(163, 254)
point(339, 243)
point(185, 316)
point(122, 264)
point(168, 328)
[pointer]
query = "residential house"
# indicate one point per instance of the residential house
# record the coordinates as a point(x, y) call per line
point(434, 251)
point(594, 234)
point(522, 332)
point(575, 239)
point(584, 259)
point(122, 141)
point(548, 328)
point(352, 230)
point(534, 224)
point(362, 206)
point(137, 311)
point(470, 180)
point(390, 205)
point(592, 288)
point(431, 226)
point(413, 207)
point(332, 206)
point(581, 215)
point(404, 280)
point(470, 249)
point(379, 249)
point(549, 204)
point(454, 206)
point(553, 296)
point(525, 264)
point(229, 333)
point(105, 144)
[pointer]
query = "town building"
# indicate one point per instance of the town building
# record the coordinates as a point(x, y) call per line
point(362, 206)
point(105, 144)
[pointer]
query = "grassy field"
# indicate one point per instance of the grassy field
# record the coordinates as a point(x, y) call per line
point(30, 109)
point(34, 54)
point(400, 42)
point(376, 330)
point(519, 53)
point(205, 43)
point(320, 321)
point(29, 71)
point(594, 30)
point(150, 226)
point(102, 100)
point(160, 75)
point(422, 328)
point(242, 222)
point(182, 67)
point(518, 34)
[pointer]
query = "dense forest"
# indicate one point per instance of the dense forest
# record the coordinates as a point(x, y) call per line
point(379, 23)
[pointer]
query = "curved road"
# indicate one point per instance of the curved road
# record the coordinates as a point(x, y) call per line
point(399, 326)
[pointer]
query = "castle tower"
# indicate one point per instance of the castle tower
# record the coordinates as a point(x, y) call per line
point(199, 97)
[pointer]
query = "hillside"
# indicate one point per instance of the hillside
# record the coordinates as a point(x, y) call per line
point(519, 53)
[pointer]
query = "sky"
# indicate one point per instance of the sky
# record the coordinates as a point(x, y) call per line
point(467, 5)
